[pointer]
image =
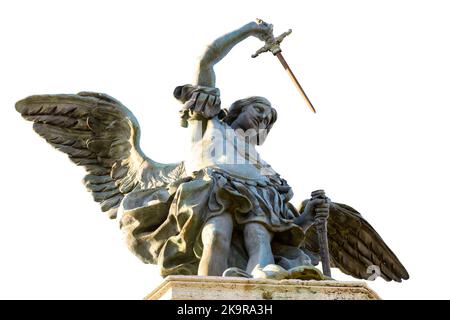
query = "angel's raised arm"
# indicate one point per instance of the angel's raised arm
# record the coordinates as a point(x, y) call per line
point(201, 99)
point(218, 49)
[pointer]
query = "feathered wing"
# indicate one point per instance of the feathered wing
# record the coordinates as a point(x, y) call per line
point(355, 247)
point(102, 135)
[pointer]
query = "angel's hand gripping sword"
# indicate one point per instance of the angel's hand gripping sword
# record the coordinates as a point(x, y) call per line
point(273, 45)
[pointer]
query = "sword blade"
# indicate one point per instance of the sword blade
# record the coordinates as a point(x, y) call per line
point(294, 79)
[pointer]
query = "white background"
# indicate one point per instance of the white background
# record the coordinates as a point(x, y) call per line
point(377, 72)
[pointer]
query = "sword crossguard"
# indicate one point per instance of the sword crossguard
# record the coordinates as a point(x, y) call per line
point(272, 44)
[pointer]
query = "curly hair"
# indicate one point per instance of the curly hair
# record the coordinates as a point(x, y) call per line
point(236, 108)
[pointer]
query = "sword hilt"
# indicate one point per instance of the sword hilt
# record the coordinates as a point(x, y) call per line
point(319, 194)
point(272, 44)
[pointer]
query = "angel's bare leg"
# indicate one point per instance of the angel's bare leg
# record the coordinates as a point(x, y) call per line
point(257, 242)
point(216, 238)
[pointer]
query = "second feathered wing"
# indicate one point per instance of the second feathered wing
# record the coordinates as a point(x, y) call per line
point(99, 133)
point(355, 247)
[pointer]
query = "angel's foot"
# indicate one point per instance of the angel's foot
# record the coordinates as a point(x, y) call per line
point(307, 273)
point(271, 271)
point(236, 272)
point(275, 272)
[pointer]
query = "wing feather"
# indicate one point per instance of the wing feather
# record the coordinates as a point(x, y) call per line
point(97, 132)
point(355, 246)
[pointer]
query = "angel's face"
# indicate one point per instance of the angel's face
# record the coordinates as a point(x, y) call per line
point(254, 119)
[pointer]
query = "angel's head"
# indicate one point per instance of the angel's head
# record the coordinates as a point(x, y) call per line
point(253, 114)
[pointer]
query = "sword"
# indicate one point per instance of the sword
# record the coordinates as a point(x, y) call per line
point(273, 45)
point(322, 235)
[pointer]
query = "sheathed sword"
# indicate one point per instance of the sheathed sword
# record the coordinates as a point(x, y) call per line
point(273, 45)
point(322, 235)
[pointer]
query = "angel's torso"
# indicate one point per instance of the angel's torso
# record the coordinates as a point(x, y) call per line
point(220, 147)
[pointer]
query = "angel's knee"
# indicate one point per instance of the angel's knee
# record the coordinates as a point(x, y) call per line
point(256, 236)
point(216, 234)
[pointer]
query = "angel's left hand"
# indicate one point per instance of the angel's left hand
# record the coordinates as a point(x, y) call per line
point(316, 208)
point(322, 209)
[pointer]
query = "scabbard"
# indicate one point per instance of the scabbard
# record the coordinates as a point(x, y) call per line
point(322, 235)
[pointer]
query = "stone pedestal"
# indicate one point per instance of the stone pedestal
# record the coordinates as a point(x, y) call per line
point(220, 288)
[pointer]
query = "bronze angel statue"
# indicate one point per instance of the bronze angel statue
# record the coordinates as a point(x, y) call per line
point(222, 211)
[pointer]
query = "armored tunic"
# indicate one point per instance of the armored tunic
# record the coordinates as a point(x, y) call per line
point(224, 173)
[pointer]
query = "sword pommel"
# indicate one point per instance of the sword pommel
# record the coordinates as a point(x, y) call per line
point(272, 44)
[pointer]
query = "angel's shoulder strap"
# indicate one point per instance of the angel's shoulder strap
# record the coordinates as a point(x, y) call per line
point(99, 133)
